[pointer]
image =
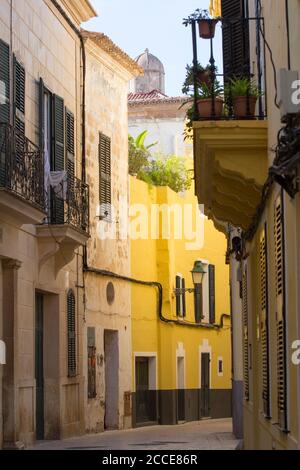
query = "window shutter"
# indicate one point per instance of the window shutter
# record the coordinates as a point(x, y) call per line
point(4, 82)
point(71, 334)
point(91, 343)
point(183, 298)
point(58, 157)
point(236, 49)
point(105, 176)
point(212, 301)
point(264, 323)
point(178, 286)
point(246, 338)
point(58, 134)
point(19, 108)
point(198, 303)
point(280, 315)
point(41, 114)
point(70, 145)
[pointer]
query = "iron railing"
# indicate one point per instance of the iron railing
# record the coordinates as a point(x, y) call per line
point(233, 87)
point(21, 166)
point(69, 204)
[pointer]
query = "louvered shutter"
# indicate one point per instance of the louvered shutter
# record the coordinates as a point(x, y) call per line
point(263, 265)
point(4, 82)
point(246, 337)
point(178, 296)
point(198, 303)
point(58, 158)
point(70, 146)
point(4, 106)
point(41, 114)
point(19, 109)
point(105, 176)
point(280, 314)
point(236, 49)
point(212, 301)
point(183, 301)
point(71, 325)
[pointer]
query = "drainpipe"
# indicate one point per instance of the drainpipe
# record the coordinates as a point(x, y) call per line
point(83, 54)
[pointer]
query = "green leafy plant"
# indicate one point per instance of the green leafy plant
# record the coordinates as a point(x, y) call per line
point(168, 171)
point(198, 14)
point(237, 87)
point(139, 153)
point(209, 91)
point(203, 75)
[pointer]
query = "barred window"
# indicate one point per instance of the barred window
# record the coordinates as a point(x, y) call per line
point(71, 334)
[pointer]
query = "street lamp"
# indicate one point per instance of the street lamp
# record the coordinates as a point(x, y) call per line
point(198, 272)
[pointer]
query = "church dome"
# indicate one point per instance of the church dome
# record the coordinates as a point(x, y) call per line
point(154, 77)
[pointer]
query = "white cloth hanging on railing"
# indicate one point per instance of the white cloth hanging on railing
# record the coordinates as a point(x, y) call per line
point(59, 184)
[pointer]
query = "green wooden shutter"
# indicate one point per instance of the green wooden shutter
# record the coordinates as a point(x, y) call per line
point(58, 156)
point(4, 106)
point(71, 325)
point(236, 49)
point(280, 315)
point(105, 176)
point(91, 344)
point(19, 110)
point(4, 83)
point(212, 296)
point(41, 114)
point(246, 333)
point(70, 145)
point(263, 255)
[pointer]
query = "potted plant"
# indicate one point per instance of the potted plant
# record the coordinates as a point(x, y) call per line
point(207, 25)
point(244, 93)
point(203, 75)
point(207, 96)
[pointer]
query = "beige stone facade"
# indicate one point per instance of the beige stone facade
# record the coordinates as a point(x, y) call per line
point(40, 263)
point(109, 71)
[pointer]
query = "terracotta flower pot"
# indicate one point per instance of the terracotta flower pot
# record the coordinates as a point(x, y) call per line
point(205, 108)
point(204, 77)
point(241, 109)
point(207, 28)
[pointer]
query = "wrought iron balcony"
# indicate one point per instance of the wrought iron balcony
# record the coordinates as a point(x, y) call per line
point(69, 204)
point(21, 167)
point(232, 87)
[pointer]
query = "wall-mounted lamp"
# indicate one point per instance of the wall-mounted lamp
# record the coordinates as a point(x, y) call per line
point(197, 272)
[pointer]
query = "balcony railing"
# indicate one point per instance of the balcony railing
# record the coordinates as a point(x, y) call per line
point(234, 86)
point(69, 204)
point(21, 166)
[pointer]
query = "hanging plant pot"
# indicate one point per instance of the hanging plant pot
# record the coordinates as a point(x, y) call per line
point(205, 108)
point(204, 77)
point(244, 107)
point(207, 28)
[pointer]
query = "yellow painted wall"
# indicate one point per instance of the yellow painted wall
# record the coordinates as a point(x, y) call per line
point(160, 260)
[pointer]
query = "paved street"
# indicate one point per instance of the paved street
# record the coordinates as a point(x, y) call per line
point(203, 435)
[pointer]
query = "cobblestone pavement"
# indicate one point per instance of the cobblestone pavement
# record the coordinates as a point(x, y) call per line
point(200, 435)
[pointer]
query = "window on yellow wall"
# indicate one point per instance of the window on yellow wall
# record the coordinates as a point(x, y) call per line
point(180, 297)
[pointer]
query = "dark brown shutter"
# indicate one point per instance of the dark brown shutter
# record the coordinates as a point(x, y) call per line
point(212, 301)
point(236, 49)
point(177, 296)
point(183, 298)
point(198, 303)
point(105, 176)
point(71, 334)
point(280, 315)
point(70, 145)
point(91, 344)
point(41, 114)
point(263, 265)
point(246, 337)
point(5, 83)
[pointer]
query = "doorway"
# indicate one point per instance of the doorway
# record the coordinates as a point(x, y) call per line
point(39, 365)
point(180, 390)
point(205, 385)
point(111, 356)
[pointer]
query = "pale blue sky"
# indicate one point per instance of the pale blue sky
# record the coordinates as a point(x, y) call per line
point(135, 25)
